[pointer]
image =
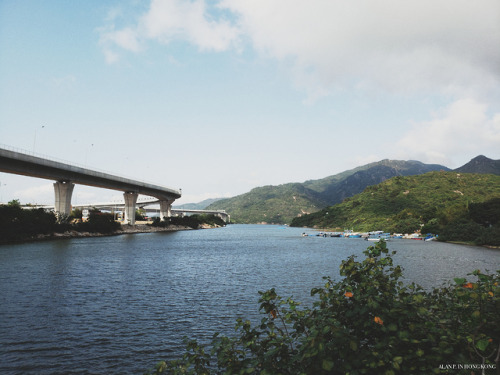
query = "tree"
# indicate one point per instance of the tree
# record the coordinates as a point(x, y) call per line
point(14, 203)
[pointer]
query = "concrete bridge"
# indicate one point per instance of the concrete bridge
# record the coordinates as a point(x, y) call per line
point(66, 176)
point(142, 203)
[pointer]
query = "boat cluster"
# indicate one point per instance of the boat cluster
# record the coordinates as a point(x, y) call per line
point(373, 236)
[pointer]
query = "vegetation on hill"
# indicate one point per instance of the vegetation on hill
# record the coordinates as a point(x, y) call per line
point(445, 203)
point(271, 204)
point(370, 322)
point(280, 204)
point(334, 189)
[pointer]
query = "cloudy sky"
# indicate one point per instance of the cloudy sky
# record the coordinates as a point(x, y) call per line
point(219, 97)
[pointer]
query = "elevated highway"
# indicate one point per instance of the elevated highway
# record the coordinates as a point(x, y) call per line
point(142, 203)
point(66, 176)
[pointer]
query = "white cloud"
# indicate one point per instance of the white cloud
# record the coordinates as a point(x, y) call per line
point(127, 39)
point(418, 44)
point(167, 20)
point(463, 128)
point(449, 47)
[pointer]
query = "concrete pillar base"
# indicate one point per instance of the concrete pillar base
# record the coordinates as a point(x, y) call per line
point(165, 209)
point(63, 191)
point(130, 201)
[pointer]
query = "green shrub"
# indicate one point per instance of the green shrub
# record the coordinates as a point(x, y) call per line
point(367, 323)
point(99, 222)
point(18, 224)
point(461, 230)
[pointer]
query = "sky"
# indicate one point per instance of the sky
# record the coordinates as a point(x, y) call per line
point(219, 97)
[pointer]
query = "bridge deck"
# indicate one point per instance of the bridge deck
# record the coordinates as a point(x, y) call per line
point(33, 166)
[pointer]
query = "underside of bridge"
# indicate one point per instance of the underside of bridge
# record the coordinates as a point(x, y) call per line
point(66, 176)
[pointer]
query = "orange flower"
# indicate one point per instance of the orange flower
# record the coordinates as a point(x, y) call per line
point(348, 294)
point(491, 294)
point(468, 285)
point(378, 320)
point(273, 314)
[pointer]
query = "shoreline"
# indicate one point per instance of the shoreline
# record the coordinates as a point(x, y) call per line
point(125, 229)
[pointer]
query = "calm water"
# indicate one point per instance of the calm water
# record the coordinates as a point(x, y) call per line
point(104, 305)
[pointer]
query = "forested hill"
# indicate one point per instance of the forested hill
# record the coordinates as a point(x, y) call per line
point(280, 204)
point(440, 201)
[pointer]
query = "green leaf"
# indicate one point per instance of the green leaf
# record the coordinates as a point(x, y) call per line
point(392, 327)
point(459, 280)
point(327, 365)
point(353, 345)
point(482, 344)
point(398, 359)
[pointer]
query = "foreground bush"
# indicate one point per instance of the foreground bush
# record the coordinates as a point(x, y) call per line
point(367, 323)
point(99, 222)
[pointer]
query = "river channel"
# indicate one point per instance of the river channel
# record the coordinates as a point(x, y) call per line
point(122, 303)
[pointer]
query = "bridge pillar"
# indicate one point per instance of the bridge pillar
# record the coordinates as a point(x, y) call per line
point(165, 208)
point(130, 201)
point(63, 191)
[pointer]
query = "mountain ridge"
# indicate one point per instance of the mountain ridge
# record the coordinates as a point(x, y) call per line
point(480, 164)
point(279, 204)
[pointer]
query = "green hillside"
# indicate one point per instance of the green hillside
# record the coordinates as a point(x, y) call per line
point(403, 204)
point(197, 206)
point(281, 204)
point(271, 204)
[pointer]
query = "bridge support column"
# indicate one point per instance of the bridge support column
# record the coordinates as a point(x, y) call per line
point(165, 208)
point(130, 201)
point(63, 191)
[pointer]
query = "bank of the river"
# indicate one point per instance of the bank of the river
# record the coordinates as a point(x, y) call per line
point(141, 227)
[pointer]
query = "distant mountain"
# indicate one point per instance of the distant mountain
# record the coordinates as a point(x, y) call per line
point(371, 174)
point(481, 164)
point(197, 206)
point(280, 204)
